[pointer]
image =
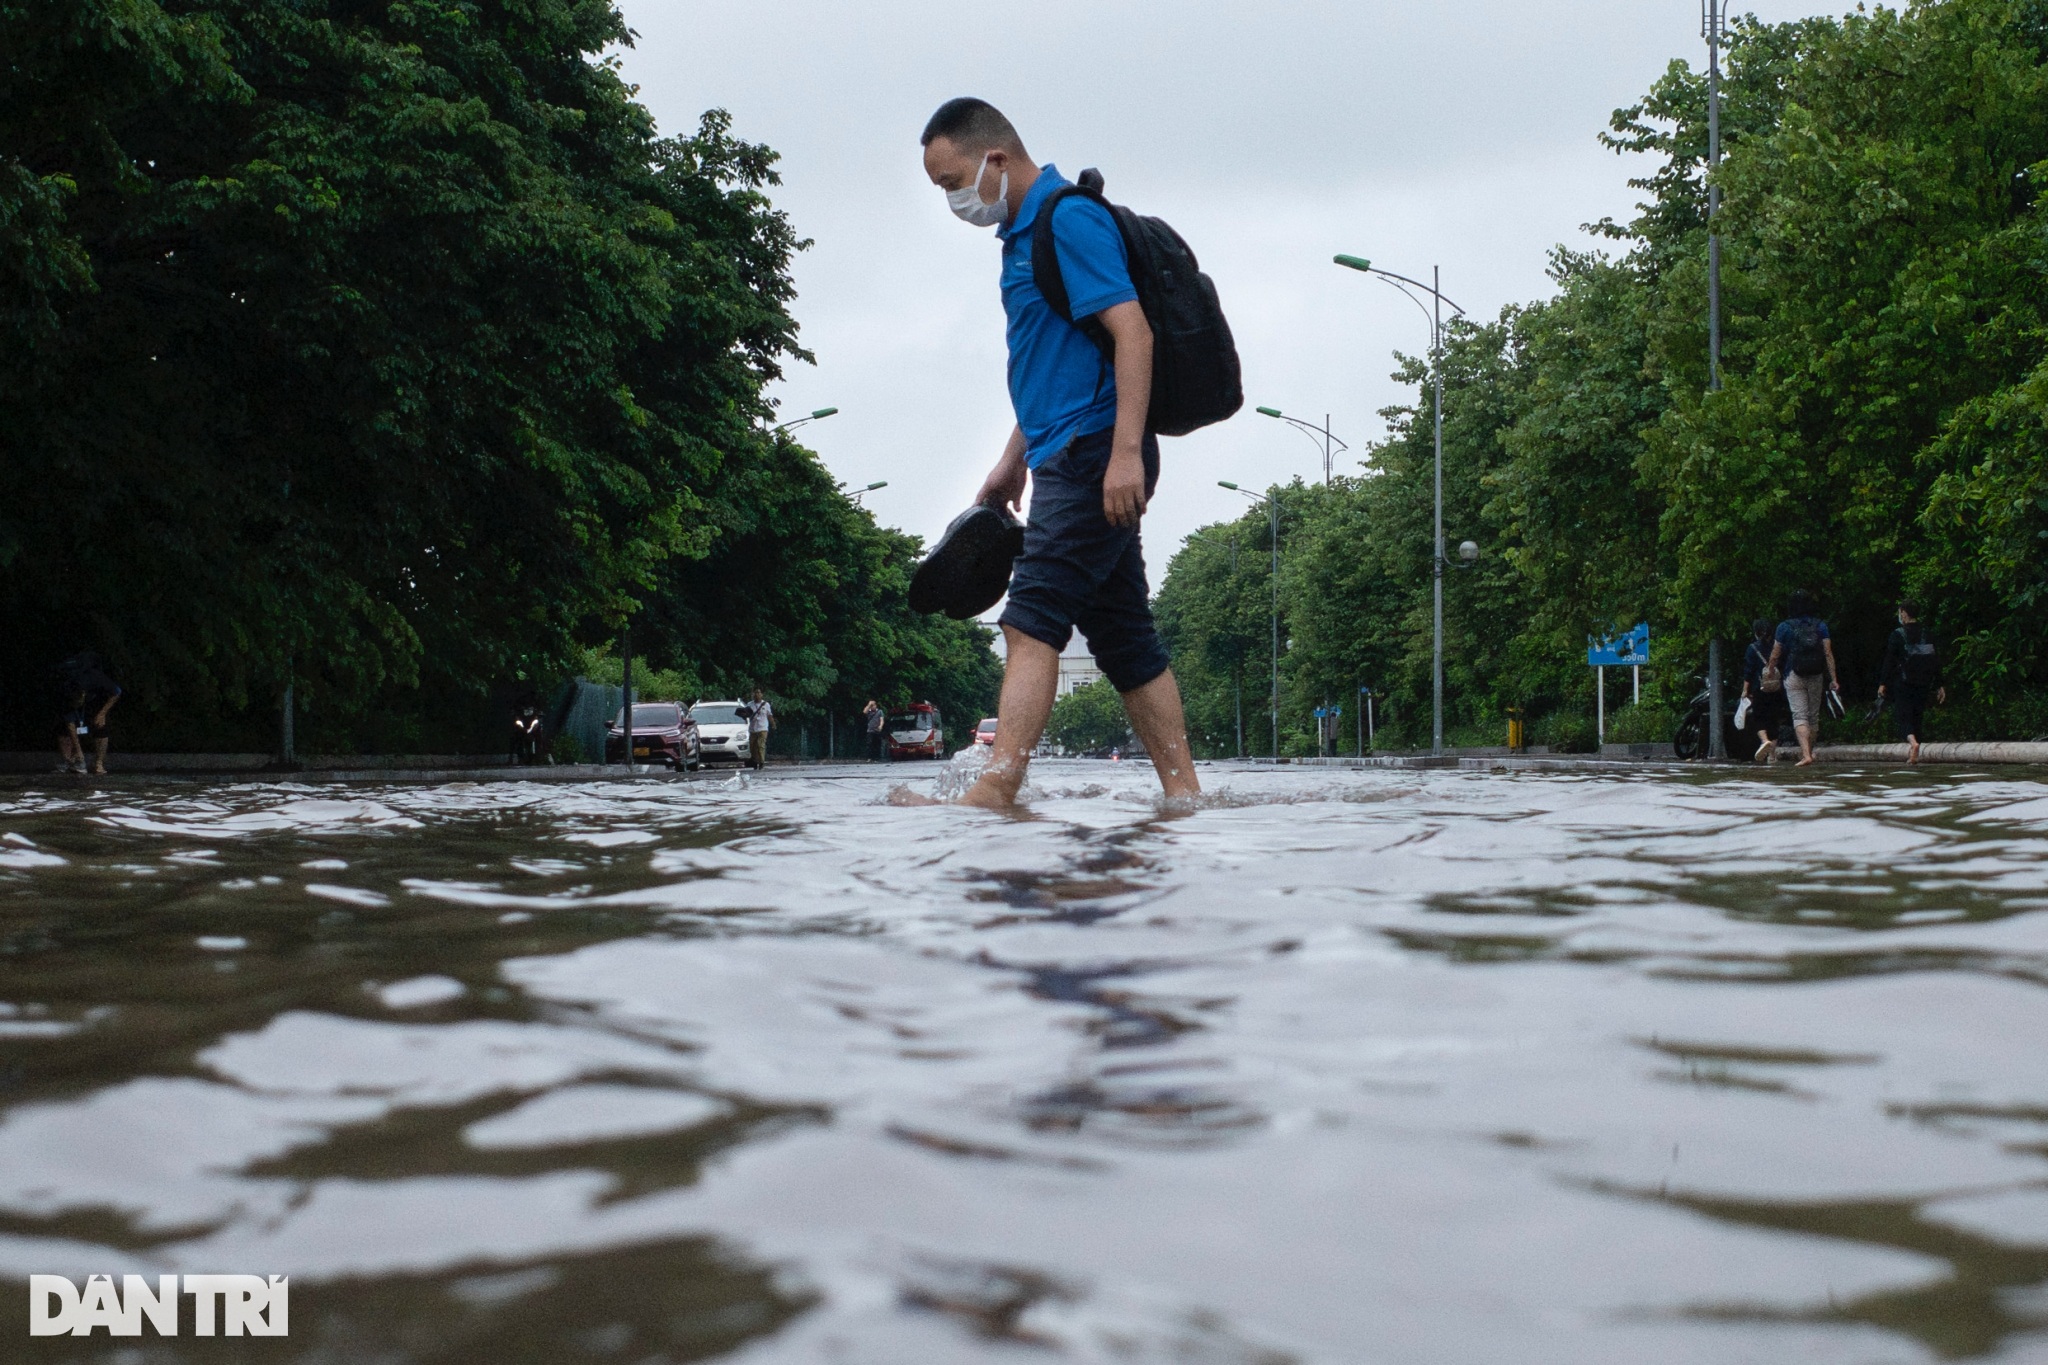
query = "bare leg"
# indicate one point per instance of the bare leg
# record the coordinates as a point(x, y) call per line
point(68, 751)
point(1766, 751)
point(1805, 733)
point(1155, 714)
point(1031, 677)
point(1912, 748)
point(99, 756)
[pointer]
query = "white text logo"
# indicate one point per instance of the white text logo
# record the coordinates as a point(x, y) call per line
point(232, 1305)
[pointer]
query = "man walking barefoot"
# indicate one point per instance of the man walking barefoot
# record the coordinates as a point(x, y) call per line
point(1081, 438)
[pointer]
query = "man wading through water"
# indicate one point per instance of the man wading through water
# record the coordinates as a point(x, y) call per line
point(1081, 436)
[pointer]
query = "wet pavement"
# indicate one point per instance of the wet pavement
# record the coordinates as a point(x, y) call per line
point(1373, 1066)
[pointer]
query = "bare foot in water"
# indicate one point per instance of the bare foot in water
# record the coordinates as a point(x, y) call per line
point(904, 796)
point(987, 796)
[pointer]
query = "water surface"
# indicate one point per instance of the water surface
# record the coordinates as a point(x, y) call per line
point(1344, 1066)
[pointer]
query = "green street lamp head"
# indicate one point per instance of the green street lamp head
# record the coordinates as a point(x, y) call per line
point(823, 412)
point(1353, 262)
point(1272, 412)
point(1225, 483)
point(878, 483)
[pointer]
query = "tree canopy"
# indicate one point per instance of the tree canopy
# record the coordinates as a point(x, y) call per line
point(388, 348)
point(1880, 429)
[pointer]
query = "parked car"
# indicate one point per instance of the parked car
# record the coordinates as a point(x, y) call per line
point(985, 733)
point(662, 733)
point(721, 730)
point(916, 732)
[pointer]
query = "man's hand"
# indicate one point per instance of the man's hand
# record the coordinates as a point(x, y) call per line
point(1123, 486)
point(1123, 483)
point(1004, 486)
point(1941, 696)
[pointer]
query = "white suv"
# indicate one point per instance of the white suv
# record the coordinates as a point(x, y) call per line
point(721, 731)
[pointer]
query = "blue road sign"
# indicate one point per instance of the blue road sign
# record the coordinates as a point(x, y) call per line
point(1623, 651)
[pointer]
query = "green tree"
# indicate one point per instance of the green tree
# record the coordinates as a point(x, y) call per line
point(1089, 718)
point(385, 339)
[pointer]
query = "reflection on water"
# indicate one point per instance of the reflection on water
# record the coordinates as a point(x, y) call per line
point(1336, 1067)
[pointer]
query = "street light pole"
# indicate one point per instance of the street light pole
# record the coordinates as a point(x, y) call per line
point(1273, 503)
point(1712, 19)
point(1436, 352)
point(1328, 440)
point(1237, 671)
point(1436, 732)
point(818, 415)
point(1272, 498)
point(857, 494)
point(1713, 14)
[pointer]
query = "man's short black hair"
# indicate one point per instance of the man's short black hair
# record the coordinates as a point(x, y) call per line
point(972, 125)
point(1801, 603)
point(1906, 605)
point(1761, 628)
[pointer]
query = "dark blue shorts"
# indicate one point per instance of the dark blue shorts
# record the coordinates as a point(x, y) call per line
point(1078, 570)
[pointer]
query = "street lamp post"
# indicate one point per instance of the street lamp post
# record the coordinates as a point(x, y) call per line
point(1322, 434)
point(1713, 17)
point(1436, 365)
point(1713, 14)
point(818, 415)
point(1272, 500)
point(857, 494)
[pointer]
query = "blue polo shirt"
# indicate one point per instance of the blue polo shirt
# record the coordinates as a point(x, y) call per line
point(1060, 384)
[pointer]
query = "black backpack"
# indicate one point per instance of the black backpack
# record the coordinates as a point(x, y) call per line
point(1808, 660)
point(1917, 658)
point(1195, 375)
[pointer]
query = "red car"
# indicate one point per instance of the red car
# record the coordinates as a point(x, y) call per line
point(916, 732)
point(662, 733)
point(985, 733)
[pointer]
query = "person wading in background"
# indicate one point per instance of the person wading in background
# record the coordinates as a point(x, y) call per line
point(1763, 687)
point(1911, 673)
point(760, 720)
point(876, 718)
point(1081, 438)
point(1807, 656)
point(85, 696)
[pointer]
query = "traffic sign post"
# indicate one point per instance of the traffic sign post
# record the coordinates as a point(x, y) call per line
point(1630, 650)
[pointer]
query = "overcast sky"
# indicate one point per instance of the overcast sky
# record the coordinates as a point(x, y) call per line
point(1454, 133)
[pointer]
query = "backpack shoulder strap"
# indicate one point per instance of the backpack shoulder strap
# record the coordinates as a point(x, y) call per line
point(1045, 261)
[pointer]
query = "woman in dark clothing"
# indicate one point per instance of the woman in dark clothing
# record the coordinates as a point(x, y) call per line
point(1912, 672)
point(1764, 690)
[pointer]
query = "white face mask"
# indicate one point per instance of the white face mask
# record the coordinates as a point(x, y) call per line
point(966, 201)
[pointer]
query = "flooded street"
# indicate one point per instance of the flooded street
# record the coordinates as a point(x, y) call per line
point(1346, 1066)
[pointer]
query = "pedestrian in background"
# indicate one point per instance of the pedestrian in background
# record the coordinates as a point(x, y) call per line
point(1807, 655)
point(85, 696)
point(1910, 675)
point(876, 719)
point(760, 720)
point(1763, 687)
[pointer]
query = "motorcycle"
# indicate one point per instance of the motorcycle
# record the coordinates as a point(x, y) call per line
point(1690, 742)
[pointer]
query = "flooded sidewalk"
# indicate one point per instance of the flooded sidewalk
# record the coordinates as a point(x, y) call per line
point(1423, 1067)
